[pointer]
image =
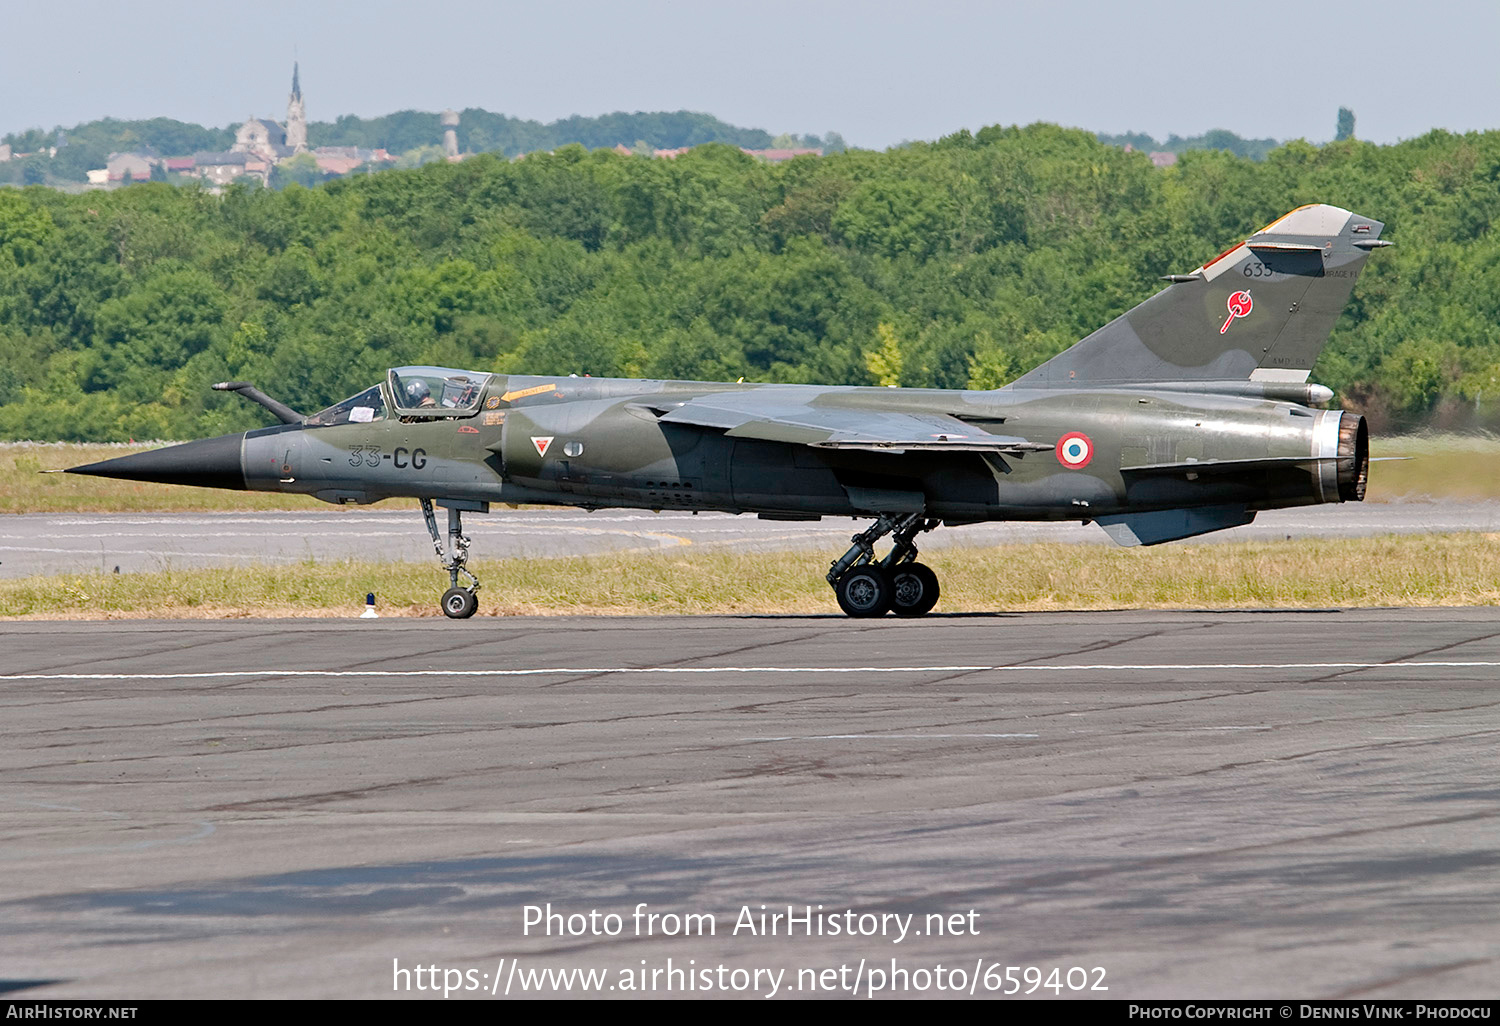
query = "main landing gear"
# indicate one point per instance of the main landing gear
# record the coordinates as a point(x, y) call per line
point(897, 583)
point(458, 603)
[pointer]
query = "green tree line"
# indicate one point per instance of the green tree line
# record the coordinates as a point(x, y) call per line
point(1214, 139)
point(480, 131)
point(958, 263)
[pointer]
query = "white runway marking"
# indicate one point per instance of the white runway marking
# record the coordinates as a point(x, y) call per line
point(882, 737)
point(59, 808)
point(205, 829)
point(158, 552)
point(201, 534)
point(544, 671)
point(335, 520)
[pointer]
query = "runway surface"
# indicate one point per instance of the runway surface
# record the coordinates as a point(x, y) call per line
point(55, 543)
point(1198, 804)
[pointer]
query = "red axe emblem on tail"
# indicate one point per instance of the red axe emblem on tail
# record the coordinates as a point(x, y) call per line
point(1240, 304)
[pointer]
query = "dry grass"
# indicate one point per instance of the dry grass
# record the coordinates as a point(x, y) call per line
point(1404, 570)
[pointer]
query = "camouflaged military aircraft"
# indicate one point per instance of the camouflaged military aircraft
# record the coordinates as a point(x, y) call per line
point(1185, 415)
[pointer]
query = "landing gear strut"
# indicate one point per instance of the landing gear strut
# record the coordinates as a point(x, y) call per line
point(898, 583)
point(458, 603)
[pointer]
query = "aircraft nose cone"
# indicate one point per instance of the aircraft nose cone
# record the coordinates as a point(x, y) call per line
point(207, 463)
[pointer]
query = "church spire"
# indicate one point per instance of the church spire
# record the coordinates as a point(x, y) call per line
point(296, 115)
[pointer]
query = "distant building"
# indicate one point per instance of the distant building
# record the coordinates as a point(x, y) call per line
point(330, 164)
point(449, 121)
point(260, 144)
point(271, 141)
point(296, 116)
point(223, 168)
point(262, 137)
point(340, 160)
point(134, 166)
point(1163, 158)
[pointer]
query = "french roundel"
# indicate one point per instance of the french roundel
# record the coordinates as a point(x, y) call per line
point(1075, 449)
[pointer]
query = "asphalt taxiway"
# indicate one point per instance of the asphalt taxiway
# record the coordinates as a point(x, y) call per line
point(41, 543)
point(1197, 803)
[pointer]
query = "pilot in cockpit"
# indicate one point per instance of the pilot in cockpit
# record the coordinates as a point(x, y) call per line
point(418, 395)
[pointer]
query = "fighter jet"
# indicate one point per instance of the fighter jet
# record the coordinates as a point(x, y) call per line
point(1187, 414)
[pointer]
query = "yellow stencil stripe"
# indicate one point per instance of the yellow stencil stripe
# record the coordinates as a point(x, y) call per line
point(523, 393)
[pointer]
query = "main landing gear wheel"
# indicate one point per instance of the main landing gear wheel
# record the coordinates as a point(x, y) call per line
point(864, 591)
point(459, 603)
point(914, 589)
point(866, 586)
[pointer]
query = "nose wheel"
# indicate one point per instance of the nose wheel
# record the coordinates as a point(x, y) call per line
point(866, 587)
point(457, 603)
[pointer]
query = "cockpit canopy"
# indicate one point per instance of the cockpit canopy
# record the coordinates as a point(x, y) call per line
point(414, 392)
point(435, 391)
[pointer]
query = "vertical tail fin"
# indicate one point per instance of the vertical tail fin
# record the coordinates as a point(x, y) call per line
point(1260, 311)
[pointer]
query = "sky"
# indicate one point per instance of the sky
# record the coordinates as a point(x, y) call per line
point(877, 72)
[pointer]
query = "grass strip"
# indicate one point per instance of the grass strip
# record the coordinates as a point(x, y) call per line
point(1393, 570)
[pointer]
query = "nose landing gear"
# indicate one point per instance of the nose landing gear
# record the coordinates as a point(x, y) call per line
point(866, 587)
point(457, 603)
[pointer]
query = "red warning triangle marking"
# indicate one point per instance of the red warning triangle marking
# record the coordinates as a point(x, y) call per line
point(541, 444)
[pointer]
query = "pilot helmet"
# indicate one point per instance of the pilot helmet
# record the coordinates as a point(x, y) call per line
point(417, 392)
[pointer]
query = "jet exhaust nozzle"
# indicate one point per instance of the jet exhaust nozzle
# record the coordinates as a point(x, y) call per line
point(1353, 458)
